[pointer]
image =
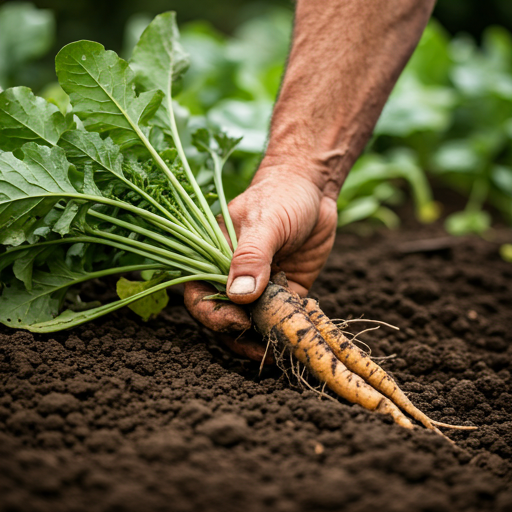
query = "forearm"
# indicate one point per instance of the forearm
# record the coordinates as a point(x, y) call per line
point(345, 59)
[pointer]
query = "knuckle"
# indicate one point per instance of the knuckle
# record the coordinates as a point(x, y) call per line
point(251, 253)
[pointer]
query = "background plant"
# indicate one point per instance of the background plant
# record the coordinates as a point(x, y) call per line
point(448, 121)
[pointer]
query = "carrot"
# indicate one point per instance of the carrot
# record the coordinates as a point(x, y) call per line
point(279, 314)
point(360, 363)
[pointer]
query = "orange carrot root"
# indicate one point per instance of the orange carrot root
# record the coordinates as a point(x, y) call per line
point(359, 362)
point(280, 314)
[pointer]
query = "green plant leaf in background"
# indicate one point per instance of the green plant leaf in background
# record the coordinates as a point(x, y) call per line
point(506, 252)
point(26, 33)
point(468, 222)
point(415, 107)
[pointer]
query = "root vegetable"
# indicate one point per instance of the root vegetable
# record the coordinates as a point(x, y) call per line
point(303, 328)
point(280, 315)
point(360, 363)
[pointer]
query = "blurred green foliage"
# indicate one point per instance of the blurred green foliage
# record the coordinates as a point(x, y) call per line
point(449, 117)
point(26, 34)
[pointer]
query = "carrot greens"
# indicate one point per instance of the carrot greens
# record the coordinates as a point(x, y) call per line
point(107, 188)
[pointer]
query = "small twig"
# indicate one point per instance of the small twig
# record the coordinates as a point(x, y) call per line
point(303, 370)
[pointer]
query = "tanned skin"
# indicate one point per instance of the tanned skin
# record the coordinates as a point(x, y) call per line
point(345, 58)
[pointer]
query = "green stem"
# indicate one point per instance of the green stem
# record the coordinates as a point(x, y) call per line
point(181, 249)
point(68, 319)
point(217, 178)
point(478, 195)
point(187, 219)
point(220, 259)
point(182, 234)
point(177, 185)
point(176, 260)
point(121, 245)
point(222, 242)
point(108, 272)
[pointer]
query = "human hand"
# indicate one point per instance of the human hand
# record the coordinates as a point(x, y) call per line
point(284, 222)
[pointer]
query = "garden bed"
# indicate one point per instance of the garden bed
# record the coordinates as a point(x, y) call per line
point(125, 416)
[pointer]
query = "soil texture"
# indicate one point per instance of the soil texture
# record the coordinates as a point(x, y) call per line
point(120, 415)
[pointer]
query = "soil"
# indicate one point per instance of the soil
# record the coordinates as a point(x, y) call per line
point(122, 416)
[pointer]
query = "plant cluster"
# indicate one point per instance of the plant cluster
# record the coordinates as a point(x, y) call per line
point(106, 188)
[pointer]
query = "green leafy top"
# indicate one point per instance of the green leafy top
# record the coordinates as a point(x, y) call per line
point(105, 190)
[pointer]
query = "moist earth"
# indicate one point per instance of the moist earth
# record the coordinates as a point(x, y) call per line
point(122, 415)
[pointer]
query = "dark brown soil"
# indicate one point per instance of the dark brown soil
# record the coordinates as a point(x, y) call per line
point(126, 416)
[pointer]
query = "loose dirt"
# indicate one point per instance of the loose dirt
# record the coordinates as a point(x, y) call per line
point(126, 416)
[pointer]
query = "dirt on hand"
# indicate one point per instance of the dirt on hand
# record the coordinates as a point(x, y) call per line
point(125, 416)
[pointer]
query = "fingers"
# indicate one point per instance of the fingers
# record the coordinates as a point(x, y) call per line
point(250, 267)
point(224, 318)
point(218, 316)
point(274, 215)
point(247, 347)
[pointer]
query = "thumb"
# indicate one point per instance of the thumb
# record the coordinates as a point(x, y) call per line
point(250, 267)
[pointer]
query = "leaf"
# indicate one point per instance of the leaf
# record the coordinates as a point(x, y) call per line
point(147, 307)
point(69, 318)
point(226, 144)
point(26, 33)
point(357, 210)
point(20, 307)
point(63, 225)
point(28, 308)
point(23, 262)
point(502, 178)
point(247, 119)
point(30, 188)
point(159, 60)
point(23, 267)
point(223, 144)
point(101, 89)
point(25, 117)
point(88, 147)
point(506, 252)
point(431, 60)
point(54, 93)
point(457, 156)
point(415, 107)
point(467, 222)
point(201, 140)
